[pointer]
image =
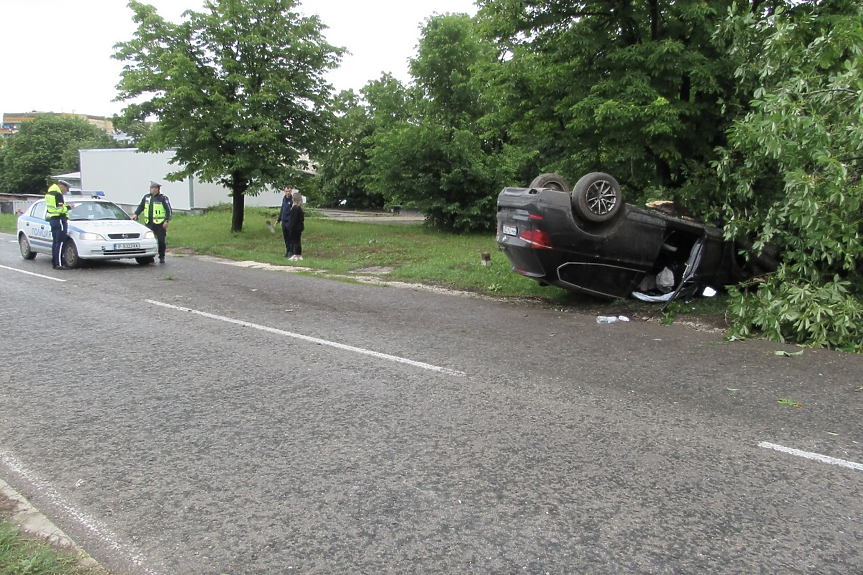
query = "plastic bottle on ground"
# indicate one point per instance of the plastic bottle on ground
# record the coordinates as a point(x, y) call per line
point(611, 318)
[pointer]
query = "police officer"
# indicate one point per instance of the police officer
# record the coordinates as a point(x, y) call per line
point(58, 217)
point(155, 213)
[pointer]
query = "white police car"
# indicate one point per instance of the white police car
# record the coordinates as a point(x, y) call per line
point(98, 230)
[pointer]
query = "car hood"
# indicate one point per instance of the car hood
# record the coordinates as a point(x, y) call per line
point(108, 226)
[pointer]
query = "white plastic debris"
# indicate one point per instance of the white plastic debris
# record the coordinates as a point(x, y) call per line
point(611, 318)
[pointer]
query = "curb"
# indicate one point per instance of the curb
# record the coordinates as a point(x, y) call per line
point(31, 521)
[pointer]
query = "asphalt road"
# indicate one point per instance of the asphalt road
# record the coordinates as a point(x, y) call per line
point(208, 418)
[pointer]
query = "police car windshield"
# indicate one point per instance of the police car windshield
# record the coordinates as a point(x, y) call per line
point(96, 211)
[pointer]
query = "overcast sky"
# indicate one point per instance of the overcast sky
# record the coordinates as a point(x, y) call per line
point(55, 55)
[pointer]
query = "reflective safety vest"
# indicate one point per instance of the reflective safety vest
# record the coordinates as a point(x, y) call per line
point(56, 204)
point(158, 211)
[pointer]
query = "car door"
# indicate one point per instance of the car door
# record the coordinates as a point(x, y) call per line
point(37, 229)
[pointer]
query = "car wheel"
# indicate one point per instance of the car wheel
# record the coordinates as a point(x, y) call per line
point(24, 245)
point(70, 255)
point(550, 182)
point(597, 197)
point(145, 261)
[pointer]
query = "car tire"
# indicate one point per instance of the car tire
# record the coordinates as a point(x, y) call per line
point(550, 182)
point(597, 197)
point(145, 261)
point(70, 256)
point(26, 250)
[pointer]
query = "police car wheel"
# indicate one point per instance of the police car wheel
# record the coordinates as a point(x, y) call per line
point(26, 251)
point(145, 261)
point(70, 255)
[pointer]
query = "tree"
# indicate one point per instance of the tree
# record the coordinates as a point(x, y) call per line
point(345, 170)
point(2, 161)
point(793, 171)
point(635, 89)
point(238, 90)
point(135, 131)
point(45, 146)
point(440, 159)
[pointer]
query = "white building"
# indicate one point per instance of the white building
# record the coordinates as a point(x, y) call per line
point(125, 174)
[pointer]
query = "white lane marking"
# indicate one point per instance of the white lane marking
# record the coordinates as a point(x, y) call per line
point(92, 525)
point(32, 274)
point(342, 346)
point(809, 455)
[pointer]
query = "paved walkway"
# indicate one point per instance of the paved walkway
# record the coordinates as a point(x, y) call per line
point(405, 217)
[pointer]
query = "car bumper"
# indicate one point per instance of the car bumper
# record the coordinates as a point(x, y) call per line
point(524, 258)
point(112, 250)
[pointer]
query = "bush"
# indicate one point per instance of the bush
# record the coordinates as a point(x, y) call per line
point(792, 311)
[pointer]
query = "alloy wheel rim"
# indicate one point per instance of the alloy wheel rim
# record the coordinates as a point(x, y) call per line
point(601, 198)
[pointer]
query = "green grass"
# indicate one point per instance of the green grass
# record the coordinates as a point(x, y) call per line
point(20, 555)
point(7, 223)
point(411, 253)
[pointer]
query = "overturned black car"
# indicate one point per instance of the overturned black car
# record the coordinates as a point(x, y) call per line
point(589, 240)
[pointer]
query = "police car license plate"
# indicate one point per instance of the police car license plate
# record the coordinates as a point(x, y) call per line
point(510, 230)
point(127, 246)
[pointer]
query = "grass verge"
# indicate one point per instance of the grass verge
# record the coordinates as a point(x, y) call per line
point(22, 555)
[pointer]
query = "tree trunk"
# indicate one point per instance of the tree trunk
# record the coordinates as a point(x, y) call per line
point(654, 20)
point(239, 185)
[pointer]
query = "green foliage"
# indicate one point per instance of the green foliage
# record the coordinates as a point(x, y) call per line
point(310, 186)
point(440, 160)
point(344, 166)
point(238, 90)
point(793, 173)
point(46, 146)
point(135, 130)
point(799, 312)
point(440, 170)
point(671, 311)
point(20, 556)
point(2, 160)
point(630, 88)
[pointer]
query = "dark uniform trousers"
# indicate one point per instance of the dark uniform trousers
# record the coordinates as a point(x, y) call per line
point(161, 234)
point(59, 231)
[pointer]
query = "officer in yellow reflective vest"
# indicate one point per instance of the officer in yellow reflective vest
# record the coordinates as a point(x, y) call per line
point(58, 217)
point(155, 212)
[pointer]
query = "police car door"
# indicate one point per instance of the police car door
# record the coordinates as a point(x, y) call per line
point(38, 229)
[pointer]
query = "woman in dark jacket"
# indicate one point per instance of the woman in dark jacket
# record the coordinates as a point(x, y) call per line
point(296, 225)
point(287, 202)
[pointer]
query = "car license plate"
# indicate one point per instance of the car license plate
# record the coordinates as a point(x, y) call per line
point(510, 230)
point(127, 246)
